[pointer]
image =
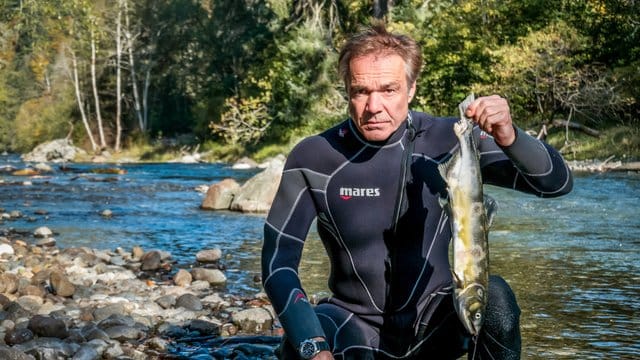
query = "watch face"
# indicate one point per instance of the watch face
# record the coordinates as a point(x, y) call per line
point(308, 349)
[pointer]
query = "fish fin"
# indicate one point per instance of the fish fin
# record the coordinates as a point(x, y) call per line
point(490, 208)
point(445, 167)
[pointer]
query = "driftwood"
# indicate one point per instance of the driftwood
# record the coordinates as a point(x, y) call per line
point(604, 166)
point(559, 123)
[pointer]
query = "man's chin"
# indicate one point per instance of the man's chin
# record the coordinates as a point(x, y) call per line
point(376, 134)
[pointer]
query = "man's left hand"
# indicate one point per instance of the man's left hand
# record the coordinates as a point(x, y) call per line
point(493, 116)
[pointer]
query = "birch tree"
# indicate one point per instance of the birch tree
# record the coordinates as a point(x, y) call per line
point(94, 87)
point(118, 77)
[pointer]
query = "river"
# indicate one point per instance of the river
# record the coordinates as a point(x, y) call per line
point(574, 262)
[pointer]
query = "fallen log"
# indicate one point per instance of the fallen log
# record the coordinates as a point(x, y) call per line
point(558, 123)
point(603, 166)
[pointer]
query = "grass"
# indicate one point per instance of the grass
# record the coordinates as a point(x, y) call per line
point(623, 143)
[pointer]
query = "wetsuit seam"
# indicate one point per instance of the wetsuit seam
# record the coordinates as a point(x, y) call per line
point(278, 270)
point(540, 192)
point(424, 265)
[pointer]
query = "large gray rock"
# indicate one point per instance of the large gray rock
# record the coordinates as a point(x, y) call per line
point(220, 195)
point(59, 150)
point(253, 320)
point(256, 195)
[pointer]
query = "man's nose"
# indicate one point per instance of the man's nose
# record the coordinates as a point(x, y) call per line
point(374, 102)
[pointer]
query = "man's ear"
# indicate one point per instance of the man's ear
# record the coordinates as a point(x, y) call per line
point(412, 91)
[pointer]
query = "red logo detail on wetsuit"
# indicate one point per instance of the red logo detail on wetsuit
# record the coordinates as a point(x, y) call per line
point(299, 296)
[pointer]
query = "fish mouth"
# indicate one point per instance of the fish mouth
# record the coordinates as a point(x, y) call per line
point(470, 306)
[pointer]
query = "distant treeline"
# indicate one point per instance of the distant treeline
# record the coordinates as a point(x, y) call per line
point(110, 73)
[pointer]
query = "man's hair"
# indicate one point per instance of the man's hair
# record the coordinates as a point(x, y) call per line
point(377, 40)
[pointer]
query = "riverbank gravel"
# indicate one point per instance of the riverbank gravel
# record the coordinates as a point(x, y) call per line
point(82, 303)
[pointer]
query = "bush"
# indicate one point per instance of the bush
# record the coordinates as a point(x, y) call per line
point(43, 119)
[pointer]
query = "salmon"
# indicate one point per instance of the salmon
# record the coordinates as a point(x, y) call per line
point(470, 213)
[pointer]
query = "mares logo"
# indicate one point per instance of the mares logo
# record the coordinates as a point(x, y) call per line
point(348, 193)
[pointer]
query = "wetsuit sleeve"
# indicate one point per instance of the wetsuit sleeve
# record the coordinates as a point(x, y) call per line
point(285, 231)
point(527, 165)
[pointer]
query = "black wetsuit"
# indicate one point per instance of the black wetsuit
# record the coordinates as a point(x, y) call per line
point(390, 276)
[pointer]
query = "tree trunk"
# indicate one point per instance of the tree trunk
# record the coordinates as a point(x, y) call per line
point(76, 85)
point(94, 85)
point(118, 77)
point(132, 69)
point(145, 96)
point(381, 8)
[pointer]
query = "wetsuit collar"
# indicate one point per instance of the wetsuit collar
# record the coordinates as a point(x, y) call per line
point(395, 137)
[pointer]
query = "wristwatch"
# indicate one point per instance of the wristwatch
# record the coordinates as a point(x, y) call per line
point(311, 347)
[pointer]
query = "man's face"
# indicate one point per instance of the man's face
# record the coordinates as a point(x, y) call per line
point(379, 95)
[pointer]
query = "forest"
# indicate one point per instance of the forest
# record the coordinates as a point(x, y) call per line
point(254, 76)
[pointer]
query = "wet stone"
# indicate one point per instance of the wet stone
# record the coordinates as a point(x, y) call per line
point(205, 328)
point(166, 301)
point(189, 302)
point(108, 310)
point(43, 232)
point(116, 320)
point(151, 261)
point(16, 311)
point(8, 353)
point(18, 336)
point(48, 327)
point(86, 352)
point(209, 255)
point(8, 283)
point(182, 278)
point(61, 285)
point(123, 333)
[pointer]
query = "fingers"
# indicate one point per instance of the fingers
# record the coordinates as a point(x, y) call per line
point(493, 116)
point(489, 110)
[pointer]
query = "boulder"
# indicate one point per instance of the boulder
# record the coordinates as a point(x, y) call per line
point(256, 195)
point(220, 195)
point(253, 320)
point(209, 255)
point(59, 150)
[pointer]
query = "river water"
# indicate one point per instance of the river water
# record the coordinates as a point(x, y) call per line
point(574, 262)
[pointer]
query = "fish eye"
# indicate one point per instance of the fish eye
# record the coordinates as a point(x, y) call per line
point(480, 292)
point(478, 316)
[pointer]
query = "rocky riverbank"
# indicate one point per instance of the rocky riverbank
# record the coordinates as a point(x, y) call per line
point(81, 303)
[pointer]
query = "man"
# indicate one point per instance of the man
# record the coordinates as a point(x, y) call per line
point(390, 277)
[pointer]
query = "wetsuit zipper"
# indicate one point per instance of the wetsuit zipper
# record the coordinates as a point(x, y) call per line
point(405, 167)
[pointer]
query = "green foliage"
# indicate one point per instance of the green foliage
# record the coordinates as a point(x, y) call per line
point(538, 71)
point(304, 82)
point(43, 119)
point(263, 74)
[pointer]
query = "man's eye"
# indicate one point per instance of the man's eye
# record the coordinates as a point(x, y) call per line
point(359, 92)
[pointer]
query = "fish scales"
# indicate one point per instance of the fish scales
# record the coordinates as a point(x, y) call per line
point(470, 214)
